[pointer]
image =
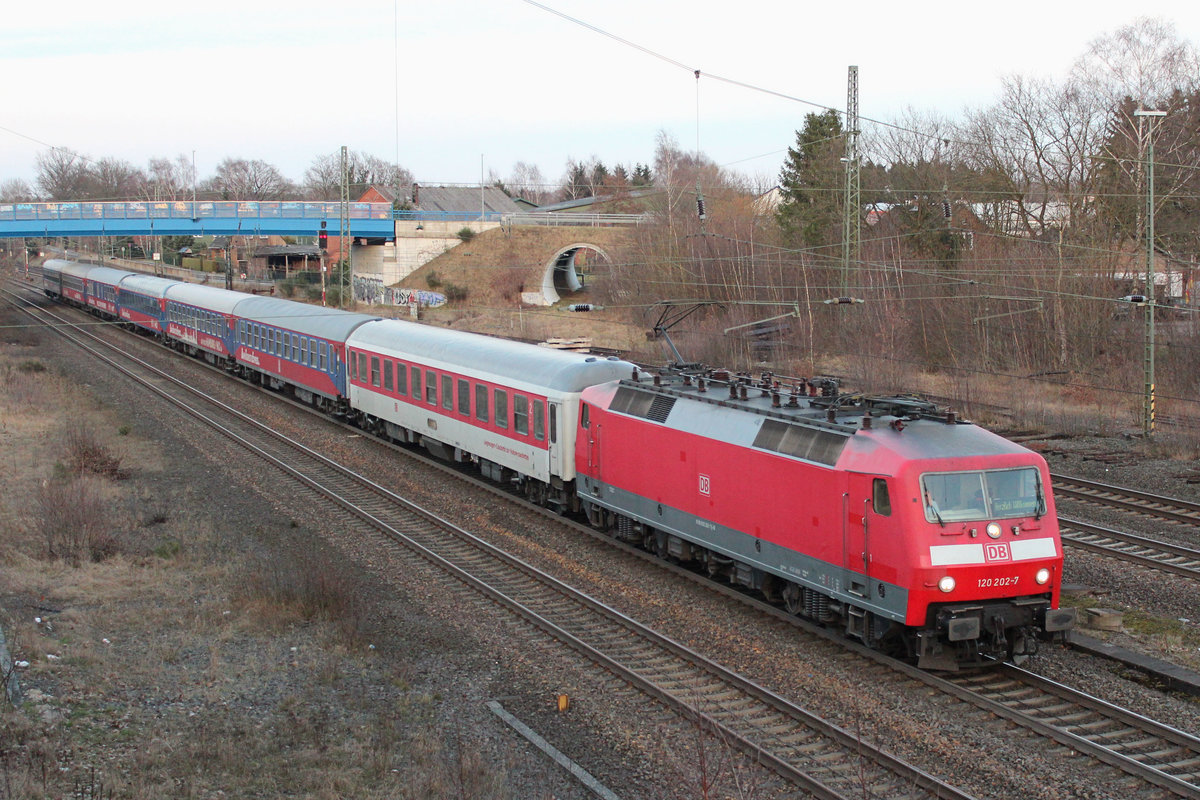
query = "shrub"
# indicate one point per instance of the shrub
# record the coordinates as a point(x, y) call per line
point(465, 234)
point(433, 279)
point(307, 582)
point(454, 292)
point(32, 366)
point(87, 455)
point(73, 521)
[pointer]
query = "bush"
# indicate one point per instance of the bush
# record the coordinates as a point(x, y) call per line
point(433, 279)
point(465, 234)
point(454, 292)
point(73, 521)
point(287, 288)
point(308, 582)
point(87, 455)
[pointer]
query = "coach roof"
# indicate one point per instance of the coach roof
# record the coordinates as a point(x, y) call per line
point(207, 297)
point(324, 323)
point(146, 284)
point(488, 357)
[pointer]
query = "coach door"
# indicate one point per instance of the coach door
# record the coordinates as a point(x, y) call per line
point(857, 512)
point(552, 439)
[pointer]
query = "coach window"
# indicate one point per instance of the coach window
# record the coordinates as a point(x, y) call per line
point(324, 357)
point(362, 367)
point(464, 397)
point(431, 387)
point(481, 402)
point(501, 399)
point(304, 350)
point(521, 414)
point(880, 499)
point(387, 375)
point(539, 420)
point(448, 392)
point(374, 370)
point(287, 345)
point(401, 378)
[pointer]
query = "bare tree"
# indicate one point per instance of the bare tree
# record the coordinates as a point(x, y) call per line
point(15, 190)
point(242, 179)
point(114, 179)
point(323, 178)
point(62, 174)
point(526, 181)
point(170, 179)
point(1146, 61)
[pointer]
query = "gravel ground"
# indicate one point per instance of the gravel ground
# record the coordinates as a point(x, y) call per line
point(464, 654)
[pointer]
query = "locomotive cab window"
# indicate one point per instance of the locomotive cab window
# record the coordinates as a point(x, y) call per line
point(880, 501)
point(583, 415)
point(982, 495)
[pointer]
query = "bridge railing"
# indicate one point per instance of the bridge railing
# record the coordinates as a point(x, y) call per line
point(187, 209)
point(522, 218)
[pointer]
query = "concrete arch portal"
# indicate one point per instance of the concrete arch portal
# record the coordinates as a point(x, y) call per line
point(568, 270)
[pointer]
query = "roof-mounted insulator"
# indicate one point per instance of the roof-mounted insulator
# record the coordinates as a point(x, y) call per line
point(775, 400)
point(658, 380)
point(635, 374)
point(687, 380)
point(866, 423)
point(830, 415)
point(733, 390)
point(700, 387)
point(742, 392)
point(951, 418)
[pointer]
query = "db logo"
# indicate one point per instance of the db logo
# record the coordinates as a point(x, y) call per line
point(996, 552)
point(705, 485)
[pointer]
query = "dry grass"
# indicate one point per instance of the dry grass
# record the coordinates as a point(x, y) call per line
point(164, 661)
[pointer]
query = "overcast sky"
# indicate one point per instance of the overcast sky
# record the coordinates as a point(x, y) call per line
point(449, 86)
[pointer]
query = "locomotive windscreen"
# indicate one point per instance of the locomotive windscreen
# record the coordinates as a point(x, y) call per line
point(976, 495)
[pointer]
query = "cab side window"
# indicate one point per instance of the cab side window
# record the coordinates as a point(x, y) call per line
point(880, 499)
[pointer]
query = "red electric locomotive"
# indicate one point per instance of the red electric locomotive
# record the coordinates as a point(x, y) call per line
point(918, 533)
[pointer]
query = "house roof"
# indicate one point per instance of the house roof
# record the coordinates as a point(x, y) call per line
point(465, 200)
point(289, 250)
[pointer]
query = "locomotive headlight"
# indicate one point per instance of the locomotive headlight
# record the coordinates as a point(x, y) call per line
point(946, 584)
point(993, 530)
point(1043, 576)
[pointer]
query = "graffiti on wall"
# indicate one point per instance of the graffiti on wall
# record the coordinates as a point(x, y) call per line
point(372, 290)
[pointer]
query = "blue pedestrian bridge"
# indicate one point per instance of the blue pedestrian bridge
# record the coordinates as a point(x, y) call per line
point(182, 217)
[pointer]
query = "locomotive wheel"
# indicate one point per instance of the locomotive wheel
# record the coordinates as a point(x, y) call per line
point(793, 598)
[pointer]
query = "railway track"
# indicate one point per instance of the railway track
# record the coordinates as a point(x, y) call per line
point(811, 753)
point(769, 727)
point(1155, 753)
point(1173, 509)
point(1131, 547)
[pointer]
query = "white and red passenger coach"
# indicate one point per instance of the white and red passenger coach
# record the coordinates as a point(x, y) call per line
point(511, 405)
